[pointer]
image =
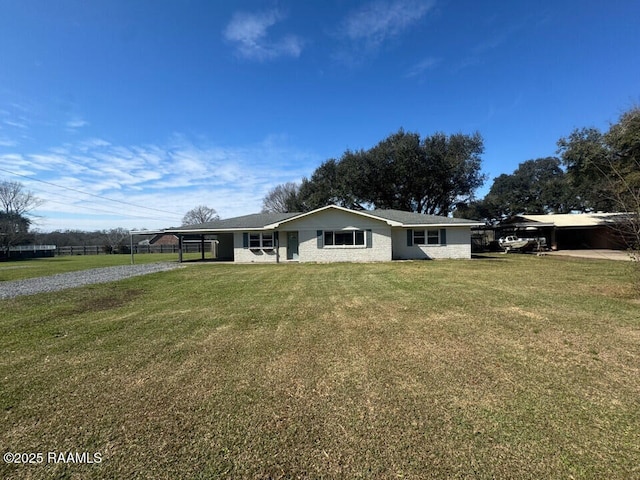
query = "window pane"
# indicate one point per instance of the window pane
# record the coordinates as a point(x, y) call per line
point(267, 240)
point(254, 240)
point(328, 238)
point(344, 238)
point(433, 237)
point(418, 237)
point(359, 237)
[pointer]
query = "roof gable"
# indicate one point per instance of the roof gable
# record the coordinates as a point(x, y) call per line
point(363, 213)
point(270, 221)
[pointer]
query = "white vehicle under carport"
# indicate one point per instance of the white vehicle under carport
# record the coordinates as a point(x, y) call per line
point(513, 242)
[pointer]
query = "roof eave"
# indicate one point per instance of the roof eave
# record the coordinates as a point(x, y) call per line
point(217, 230)
point(444, 224)
point(391, 223)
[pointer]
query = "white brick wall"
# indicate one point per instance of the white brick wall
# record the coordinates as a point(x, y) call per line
point(245, 255)
point(458, 245)
point(387, 242)
point(340, 220)
point(380, 250)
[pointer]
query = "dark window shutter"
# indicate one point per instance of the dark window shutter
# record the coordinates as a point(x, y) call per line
point(409, 238)
point(369, 238)
point(245, 240)
point(320, 238)
point(443, 236)
point(276, 239)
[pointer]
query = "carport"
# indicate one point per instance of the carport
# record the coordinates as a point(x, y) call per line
point(221, 245)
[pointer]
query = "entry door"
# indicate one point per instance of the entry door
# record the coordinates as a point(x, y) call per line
point(292, 245)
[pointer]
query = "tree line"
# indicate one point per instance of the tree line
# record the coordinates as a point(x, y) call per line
point(594, 171)
point(439, 174)
point(16, 220)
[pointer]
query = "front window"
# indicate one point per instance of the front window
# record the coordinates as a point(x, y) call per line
point(344, 238)
point(261, 240)
point(433, 237)
point(254, 240)
point(267, 240)
point(426, 237)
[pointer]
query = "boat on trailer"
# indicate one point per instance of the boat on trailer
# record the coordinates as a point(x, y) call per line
point(513, 242)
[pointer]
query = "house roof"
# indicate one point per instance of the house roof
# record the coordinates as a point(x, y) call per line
point(255, 221)
point(571, 220)
point(408, 219)
point(270, 221)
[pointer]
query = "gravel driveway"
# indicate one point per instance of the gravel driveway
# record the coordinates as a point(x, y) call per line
point(61, 281)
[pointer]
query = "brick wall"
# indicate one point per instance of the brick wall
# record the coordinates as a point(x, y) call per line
point(458, 245)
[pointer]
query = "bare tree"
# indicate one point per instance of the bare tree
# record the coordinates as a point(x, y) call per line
point(200, 214)
point(625, 193)
point(620, 170)
point(605, 168)
point(114, 239)
point(281, 199)
point(14, 199)
point(15, 203)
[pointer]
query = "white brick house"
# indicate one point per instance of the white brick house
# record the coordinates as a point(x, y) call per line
point(335, 234)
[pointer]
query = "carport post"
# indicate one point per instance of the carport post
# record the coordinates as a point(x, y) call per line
point(131, 245)
point(202, 246)
point(179, 248)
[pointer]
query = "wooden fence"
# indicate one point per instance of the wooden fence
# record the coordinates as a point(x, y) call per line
point(126, 249)
point(29, 251)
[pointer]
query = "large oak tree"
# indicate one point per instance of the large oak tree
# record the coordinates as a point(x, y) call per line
point(403, 171)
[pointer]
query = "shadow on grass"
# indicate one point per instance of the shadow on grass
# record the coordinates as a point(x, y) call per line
point(5, 260)
point(488, 256)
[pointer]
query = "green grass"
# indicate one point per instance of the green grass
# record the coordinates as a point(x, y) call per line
point(507, 367)
point(38, 267)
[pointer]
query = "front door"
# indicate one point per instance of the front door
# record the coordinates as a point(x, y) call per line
point(292, 245)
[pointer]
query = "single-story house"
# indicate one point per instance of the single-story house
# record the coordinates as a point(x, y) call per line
point(335, 234)
point(570, 230)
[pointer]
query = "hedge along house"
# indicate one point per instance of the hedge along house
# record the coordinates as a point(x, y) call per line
point(335, 234)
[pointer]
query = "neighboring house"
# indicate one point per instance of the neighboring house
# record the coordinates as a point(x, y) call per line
point(571, 230)
point(336, 234)
point(160, 239)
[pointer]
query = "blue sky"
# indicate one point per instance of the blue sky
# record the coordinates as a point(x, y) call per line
point(130, 113)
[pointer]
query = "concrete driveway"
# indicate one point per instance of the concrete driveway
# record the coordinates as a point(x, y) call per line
point(600, 254)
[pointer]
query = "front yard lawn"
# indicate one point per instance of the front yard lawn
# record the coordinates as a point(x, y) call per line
point(503, 367)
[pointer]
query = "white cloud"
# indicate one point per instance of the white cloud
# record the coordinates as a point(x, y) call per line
point(378, 21)
point(21, 124)
point(7, 142)
point(423, 66)
point(76, 123)
point(152, 186)
point(248, 31)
